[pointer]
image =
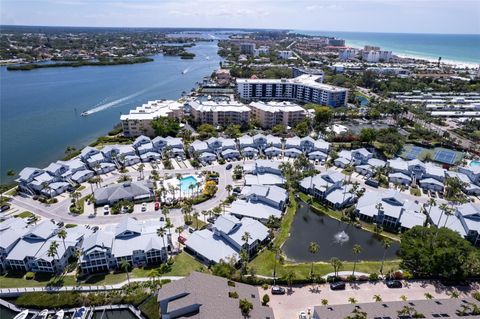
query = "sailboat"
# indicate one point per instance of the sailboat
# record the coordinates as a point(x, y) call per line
point(42, 314)
point(21, 315)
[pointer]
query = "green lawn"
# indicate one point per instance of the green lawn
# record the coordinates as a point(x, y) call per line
point(150, 308)
point(265, 261)
point(25, 214)
point(13, 280)
point(415, 191)
point(197, 223)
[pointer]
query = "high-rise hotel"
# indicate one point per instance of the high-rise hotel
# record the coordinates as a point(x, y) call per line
point(305, 88)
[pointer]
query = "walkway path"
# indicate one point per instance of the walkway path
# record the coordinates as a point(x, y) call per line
point(11, 292)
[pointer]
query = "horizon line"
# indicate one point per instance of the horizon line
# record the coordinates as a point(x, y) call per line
point(224, 28)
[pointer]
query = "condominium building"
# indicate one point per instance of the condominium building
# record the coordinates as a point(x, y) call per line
point(222, 113)
point(304, 88)
point(270, 114)
point(247, 48)
point(336, 42)
point(296, 71)
point(139, 120)
point(376, 56)
point(285, 54)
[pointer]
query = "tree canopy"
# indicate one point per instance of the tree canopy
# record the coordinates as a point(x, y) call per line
point(165, 126)
point(432, 252)
point(206, 131)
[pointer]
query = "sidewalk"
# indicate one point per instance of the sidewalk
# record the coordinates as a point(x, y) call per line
point(12, 292)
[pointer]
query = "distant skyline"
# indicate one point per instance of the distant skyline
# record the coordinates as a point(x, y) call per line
point(406, 16)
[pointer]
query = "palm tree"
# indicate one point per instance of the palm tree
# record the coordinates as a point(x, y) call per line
point(455, 294)
point(92, 181)
point(324, 302)
point(75, 196)
point(431, 202)
point(153, 274)
point(53, 250)
point(169, 225)
point(205, 213)
point(140, 169)
point(46, 187)
point(379, 207)
point(443, 208)
point(403, 298)
point(246, 238)
point(449, 212)
point(196, 215)
point(386, 243)
point(377, 298)
point(313, 248)
point(62, 234)
point(428, 296)
point(179, 230)
point(357, 249)
point(161, 233)
point(229, 189)
point(125, 266)
point(191, 187)
point(352, 300)
point(289, 277)
point(336, 264)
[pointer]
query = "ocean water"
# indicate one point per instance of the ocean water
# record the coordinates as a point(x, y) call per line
point(451, 47)
point(40, 109)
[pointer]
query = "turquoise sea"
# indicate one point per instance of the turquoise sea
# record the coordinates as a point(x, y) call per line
point(451, 47)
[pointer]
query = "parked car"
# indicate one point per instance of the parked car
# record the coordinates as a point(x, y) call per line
point(339, 285)
point(372, 182)
point(276, 290)
point(191, 230)
point(229, 166)
point(106, 209)
point(394, 284)
point(302, 315)
point(4, 208)
point(182, 239)
point(162, 219)
point(157, 205)
point(144, 207)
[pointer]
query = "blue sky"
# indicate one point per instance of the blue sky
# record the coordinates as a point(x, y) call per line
point(418, 16)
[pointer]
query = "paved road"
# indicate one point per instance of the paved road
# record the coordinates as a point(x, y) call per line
point(303, 297)
point(60, 210)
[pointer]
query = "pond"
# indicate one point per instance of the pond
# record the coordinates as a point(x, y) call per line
point(335, 238)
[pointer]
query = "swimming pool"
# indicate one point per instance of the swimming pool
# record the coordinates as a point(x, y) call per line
point(185, 182)
point(475, 163)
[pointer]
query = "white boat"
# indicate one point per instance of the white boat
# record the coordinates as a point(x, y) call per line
point(85, 113)
point(59, 315)
point(42, 314)
point(21, 315)
point(80, 313)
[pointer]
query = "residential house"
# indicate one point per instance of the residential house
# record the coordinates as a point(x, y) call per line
point(246, 141)
point(198, 147)
point(468, 187)
point(390, 209)
point(263, 172)
point(260, 202)
point(11, 231)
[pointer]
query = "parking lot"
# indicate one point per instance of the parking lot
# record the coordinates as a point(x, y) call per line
point(300, 298)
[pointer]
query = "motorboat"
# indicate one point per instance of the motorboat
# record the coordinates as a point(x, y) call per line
point(59, 315)
point(42, 314)
point(21, 315)
point(86, 113)
point(80, 313)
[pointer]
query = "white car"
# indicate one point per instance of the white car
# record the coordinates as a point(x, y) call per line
point(302, 315)
point(106, 209)
point(144, 207)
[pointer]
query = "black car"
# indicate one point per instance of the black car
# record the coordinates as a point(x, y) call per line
point(4, 208)
point(276, 290)
point(394, 284)
point(229, 166)
point(339, 285)
point(372, 182)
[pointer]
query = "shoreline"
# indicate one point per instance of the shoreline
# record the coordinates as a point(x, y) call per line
point(455, 63)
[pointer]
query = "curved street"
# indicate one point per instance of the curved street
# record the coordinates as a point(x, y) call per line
point(60, 210)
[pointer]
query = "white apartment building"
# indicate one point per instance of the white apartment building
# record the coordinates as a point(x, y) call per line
point(139, 120)
point(218, 112)
point(272, 113)
point(376, 56)
point(247, 48)
point(285, 54)
point(348, 54)
point(304, 88)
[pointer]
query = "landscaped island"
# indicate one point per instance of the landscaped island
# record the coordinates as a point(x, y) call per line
point(118, 61)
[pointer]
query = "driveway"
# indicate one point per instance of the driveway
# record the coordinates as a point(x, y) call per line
point(301, 298)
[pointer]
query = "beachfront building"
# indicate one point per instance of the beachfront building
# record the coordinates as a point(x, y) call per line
point(218, 113)
point(139, 120)
point(390, 209)
point(202, 295)
point(305, 88)
point(129, 191)
point(269, 114)
point(329, 187)
point(374, 56)
point(226, 239)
